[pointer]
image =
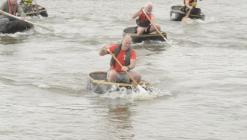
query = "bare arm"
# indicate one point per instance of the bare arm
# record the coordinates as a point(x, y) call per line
point(137, 14)
point(132, 64)
point(152, 18)
point(104, 50)
point(133, 59)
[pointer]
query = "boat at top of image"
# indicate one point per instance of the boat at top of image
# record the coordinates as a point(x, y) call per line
point(144, 37)
point(98, 83)
point(178, 12)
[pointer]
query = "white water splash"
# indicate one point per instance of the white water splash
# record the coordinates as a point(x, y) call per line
point(137, 94)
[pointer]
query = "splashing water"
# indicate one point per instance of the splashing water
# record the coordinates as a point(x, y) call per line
point(134, 94)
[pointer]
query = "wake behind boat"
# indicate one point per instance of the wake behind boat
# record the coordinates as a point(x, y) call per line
point(132, 31)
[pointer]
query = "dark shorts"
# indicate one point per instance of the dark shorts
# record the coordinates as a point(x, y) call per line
point(122, 77)
point(147, 29)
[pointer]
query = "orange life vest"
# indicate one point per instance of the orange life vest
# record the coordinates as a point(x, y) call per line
point(143, 20)
point(117, 51)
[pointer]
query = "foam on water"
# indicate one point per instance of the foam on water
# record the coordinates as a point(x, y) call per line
point(135, 94)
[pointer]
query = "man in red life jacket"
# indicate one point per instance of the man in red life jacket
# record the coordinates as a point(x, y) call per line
point(126, 56)
point(143, 23)
point(11, 7)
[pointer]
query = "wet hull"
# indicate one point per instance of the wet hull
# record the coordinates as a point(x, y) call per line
point(178, 12)
point(8, 25)
point(139, 38)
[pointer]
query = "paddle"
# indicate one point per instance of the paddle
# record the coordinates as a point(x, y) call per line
point(140, 88)
point(167, 41)
point(39, 11)
point(41, 26)
point(187, 15)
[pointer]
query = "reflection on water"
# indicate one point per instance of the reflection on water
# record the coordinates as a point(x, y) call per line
point(120, 125)
point(5, 40)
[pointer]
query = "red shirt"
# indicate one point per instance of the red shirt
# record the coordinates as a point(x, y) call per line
point(121, 57)
point(143, 17)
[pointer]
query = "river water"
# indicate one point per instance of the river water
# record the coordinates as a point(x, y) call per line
point(201, 79)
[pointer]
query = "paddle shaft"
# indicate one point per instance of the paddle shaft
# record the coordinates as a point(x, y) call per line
point(39, 11)
point(7, 14)
point(122, 66)
point(154, 25)
point(188, 13)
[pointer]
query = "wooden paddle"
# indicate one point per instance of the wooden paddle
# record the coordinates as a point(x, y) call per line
point(141, 89)
point(41, 26)
point(167, 41)
point(122, 66)
point(187, 15)
point(39, 11)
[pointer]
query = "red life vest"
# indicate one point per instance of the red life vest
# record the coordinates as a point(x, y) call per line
point(143, 20)
point(123, 56)
point(117, 51)
point(10, 6)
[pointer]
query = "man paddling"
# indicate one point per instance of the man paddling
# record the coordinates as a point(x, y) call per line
point(126, 56)
point(11, 7)
point(143, 23)
point(188, 7)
